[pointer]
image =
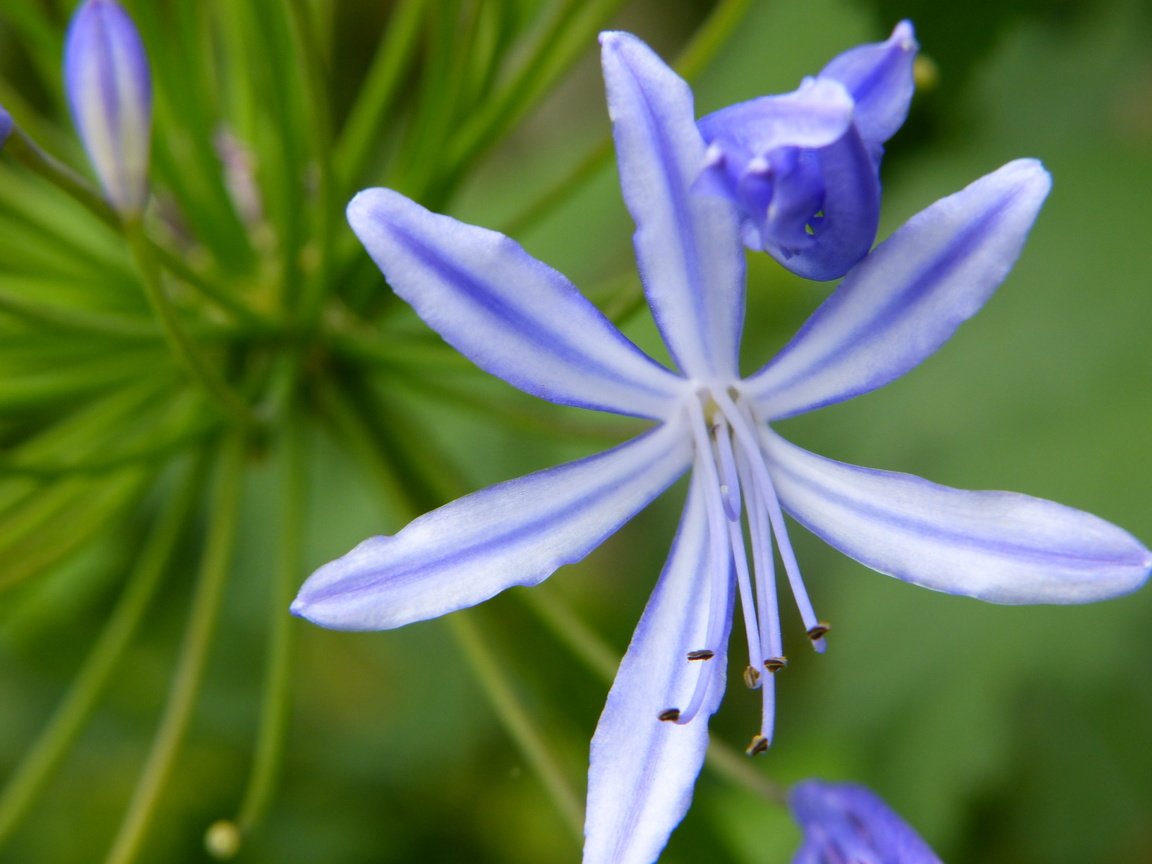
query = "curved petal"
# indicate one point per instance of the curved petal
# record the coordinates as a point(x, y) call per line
point(643, 770)
point(851, 213)
point(814, 115)
point(997, 546)
point(507, 312)
point(846, 822)
point(688, 246)
point(907, 297)
point(879, 77)
point(514, 533)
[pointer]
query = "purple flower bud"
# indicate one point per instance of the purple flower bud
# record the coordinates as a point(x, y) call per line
point(803, 168)
point(6, 125)
point(110, 94)
point(848, 824)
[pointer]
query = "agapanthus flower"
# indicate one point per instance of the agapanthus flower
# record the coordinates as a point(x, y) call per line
point(521, 320)
point(804, 168)
point(844, 823)
point(109, 88)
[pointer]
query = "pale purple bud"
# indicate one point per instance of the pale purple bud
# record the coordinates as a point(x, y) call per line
point(110, 93)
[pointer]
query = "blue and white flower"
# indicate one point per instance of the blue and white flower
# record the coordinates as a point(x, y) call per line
point(109, 88)
point(804, 168)
point(844, 823)
point(524, 322)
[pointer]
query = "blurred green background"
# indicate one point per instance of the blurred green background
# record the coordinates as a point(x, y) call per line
point(1003, 734)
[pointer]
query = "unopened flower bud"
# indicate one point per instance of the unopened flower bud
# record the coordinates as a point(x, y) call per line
point(6, 125)
point(110, 94)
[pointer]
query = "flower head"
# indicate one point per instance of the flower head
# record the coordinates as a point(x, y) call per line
point(110, 94)
point(848, 824)
point(523, 321)
point(803, 168)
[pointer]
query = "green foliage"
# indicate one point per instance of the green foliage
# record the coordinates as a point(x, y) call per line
point(195, 414)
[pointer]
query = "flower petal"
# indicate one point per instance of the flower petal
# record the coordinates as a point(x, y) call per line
point(907, 297)
point(109, 89)
point(997, 546)
point(879, 77)
point(844, 232)
point(514, 533)
point(509, 313)
point(688, 247)
point(846, 822)
point(642, 769)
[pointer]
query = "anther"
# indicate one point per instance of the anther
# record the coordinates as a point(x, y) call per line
point(751, 677)
point(775, 664)
point(669, 715)
point(758, 745)
point(818, 631)
point(702, 654)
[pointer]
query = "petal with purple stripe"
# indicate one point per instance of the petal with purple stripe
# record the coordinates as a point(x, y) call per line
point(688, 246)
point(642, 769)
point(514, 533)
point(908, 296)
point(506, 311)
point(997, 546)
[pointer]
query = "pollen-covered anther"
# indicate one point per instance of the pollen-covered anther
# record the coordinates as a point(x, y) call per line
point(701, 654)
point(669, 715)
point(819, 630)
point(751, 677)
point(775, 664)
point(757, 745)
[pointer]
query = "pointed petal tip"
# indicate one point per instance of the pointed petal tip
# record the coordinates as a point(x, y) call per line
point(904, 35)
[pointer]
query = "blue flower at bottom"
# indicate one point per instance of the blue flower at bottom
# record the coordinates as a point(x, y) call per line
point(848, 824)
point(521, 320)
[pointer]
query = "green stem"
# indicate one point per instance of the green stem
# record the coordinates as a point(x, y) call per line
point(361, 135)
point(496, 688)
point(495, 684)
point(274, 714)
point(45, 754)
point(28, 152)
point(178, 340)
point(193, 655)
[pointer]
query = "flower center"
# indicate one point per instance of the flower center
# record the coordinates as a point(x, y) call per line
point(741, 504)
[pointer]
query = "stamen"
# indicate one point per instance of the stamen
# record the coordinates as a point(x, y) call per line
point(817, 632)
point(758, 745)
point(669, 715)
point(775, 664)
point(730, 478)
point(742, 424)
point(701, 654)
point(751, 677)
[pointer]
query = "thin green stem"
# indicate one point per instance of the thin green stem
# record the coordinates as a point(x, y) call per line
point(274, 714)
point(319, 132)
point(360, 138)
point(494, 683)
point(45, 754)
point(193, 655)
point(185, 352)
point(498, 691)
point(28, 152)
